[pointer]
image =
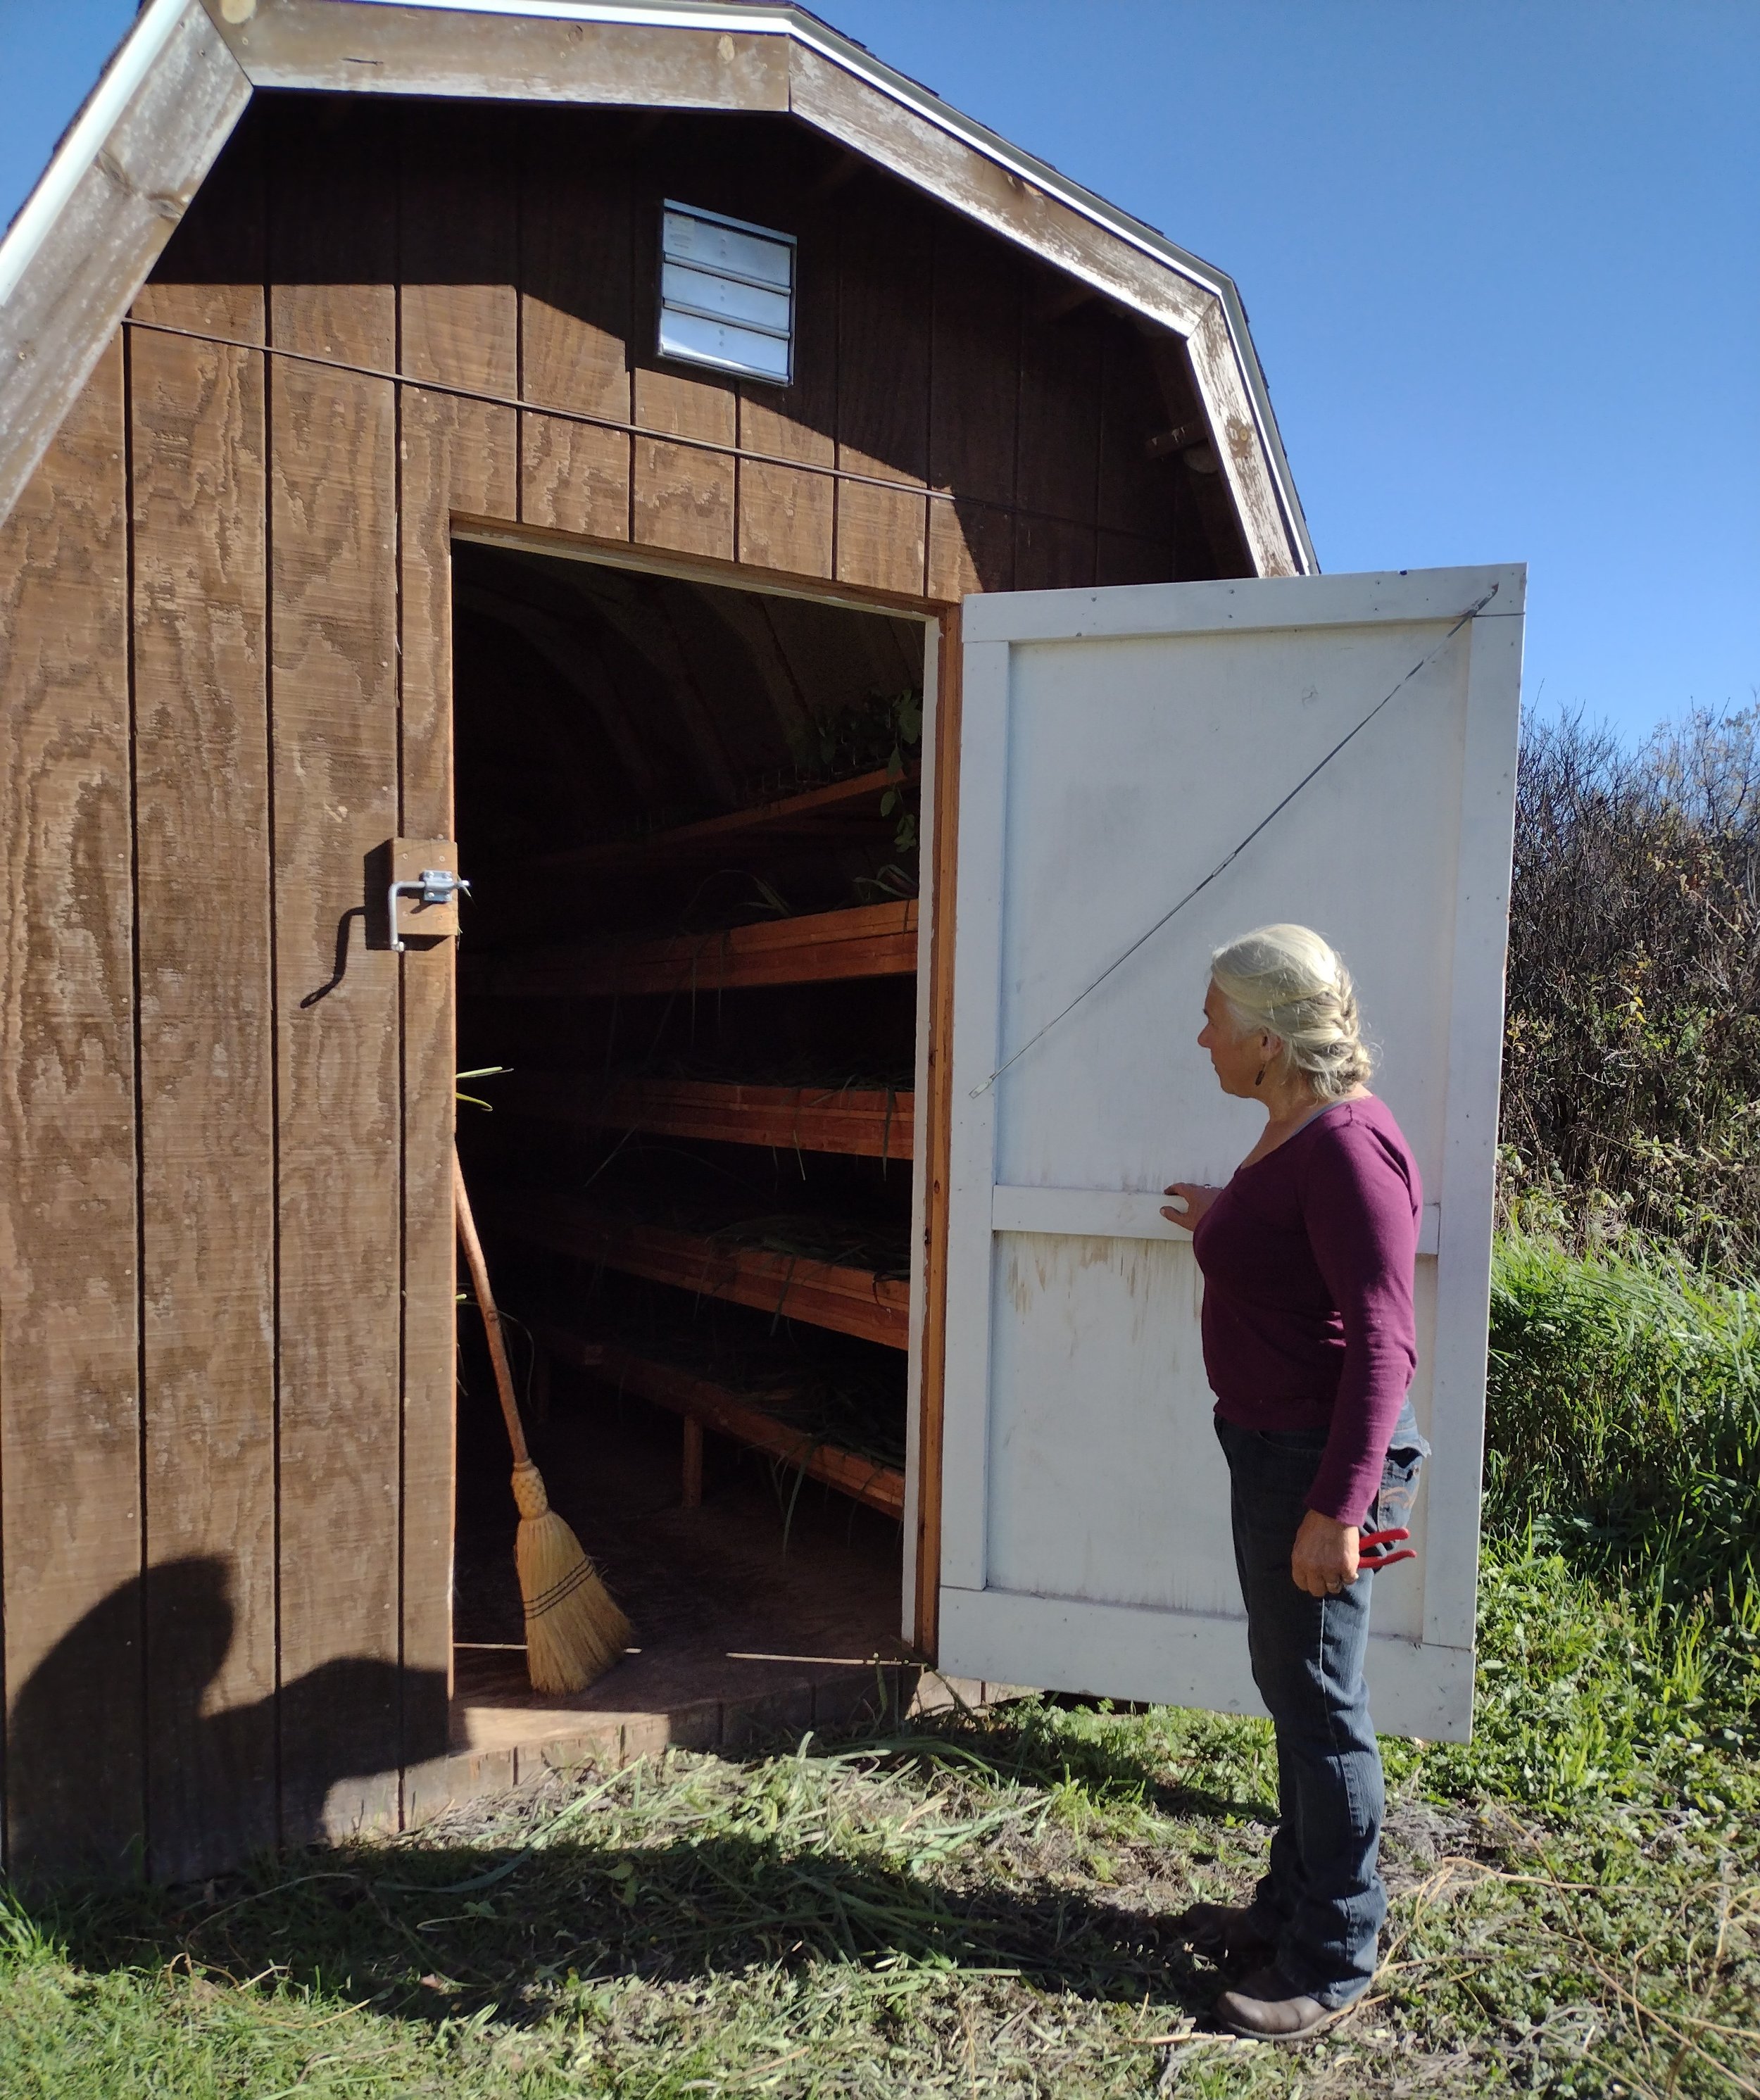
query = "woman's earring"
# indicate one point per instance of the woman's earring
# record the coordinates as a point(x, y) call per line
point(1260, 1080)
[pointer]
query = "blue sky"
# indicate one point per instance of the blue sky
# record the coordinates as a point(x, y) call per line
point(1502, 257)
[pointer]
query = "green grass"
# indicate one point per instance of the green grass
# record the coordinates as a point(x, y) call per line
point(1623, 1418)
point(977, 1906)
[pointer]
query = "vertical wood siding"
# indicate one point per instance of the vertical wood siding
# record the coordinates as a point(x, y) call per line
point(70, 1487)
point(787, 515)
point(333, 735)
point(206, 1049)
point(332, 511)
point(226, 1261)
point(883, 315)
point(575, 255)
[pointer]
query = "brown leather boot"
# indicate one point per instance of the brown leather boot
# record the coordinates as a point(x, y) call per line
point(1268, 2007)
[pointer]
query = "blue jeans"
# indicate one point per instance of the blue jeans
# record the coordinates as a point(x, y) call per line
point(1321, 1903)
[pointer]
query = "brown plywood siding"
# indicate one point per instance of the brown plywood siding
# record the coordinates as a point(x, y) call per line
point(885, 313)
point(334, 744)
point(225, 1270)
point(786, 512)
point(206, 1053)
point(575, 322)
point(70, 1516)
point(457, 248)
point(333, 736)
point(974, 406)
point(461, 303)
point(198, 432)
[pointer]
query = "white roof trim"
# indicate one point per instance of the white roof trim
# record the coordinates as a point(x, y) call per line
point(83, 137)
point(91, 230)
point(663, 15)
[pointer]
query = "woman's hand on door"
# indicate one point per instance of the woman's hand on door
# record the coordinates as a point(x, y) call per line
point(1198, 1195)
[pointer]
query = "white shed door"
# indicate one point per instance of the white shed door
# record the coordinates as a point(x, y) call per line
point(1116, 747)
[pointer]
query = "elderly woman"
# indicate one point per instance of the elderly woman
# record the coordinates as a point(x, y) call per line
point(1309, 1345)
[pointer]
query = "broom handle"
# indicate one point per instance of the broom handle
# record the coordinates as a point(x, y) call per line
point(492, 1319)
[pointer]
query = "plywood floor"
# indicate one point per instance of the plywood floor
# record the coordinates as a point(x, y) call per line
point(737, 1634)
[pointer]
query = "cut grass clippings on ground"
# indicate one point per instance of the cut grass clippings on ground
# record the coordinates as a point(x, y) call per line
point(979, 1906)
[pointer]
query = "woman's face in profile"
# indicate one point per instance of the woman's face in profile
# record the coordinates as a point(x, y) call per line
point(1235, 1057)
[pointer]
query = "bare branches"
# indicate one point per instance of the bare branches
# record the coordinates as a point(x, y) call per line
point(1632, 1056)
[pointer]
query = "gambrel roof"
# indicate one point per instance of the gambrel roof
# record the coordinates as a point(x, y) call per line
point(77, 254)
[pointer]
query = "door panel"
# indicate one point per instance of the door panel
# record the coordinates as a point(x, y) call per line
point(1116, 746)
point(1113, 1320)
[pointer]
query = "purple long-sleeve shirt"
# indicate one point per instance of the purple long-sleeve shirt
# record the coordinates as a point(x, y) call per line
point(1307, 1258)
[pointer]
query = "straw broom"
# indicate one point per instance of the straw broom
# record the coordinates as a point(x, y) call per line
point(574, 1628)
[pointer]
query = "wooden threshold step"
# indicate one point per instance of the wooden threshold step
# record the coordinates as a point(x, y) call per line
point(868, 940)
point(849, 1301)
point(868, 1122)
point(725, 1413)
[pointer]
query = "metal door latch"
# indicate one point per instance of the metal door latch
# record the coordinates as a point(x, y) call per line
point(434, 885)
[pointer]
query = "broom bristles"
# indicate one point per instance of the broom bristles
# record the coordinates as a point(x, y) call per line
point(575, 1630)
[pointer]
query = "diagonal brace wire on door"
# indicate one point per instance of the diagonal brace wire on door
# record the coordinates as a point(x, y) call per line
point(1235, 852)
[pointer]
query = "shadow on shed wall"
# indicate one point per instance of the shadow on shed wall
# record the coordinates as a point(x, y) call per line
point(210, 1779)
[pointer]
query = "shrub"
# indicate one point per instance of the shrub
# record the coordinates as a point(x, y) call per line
point(1631, 1073)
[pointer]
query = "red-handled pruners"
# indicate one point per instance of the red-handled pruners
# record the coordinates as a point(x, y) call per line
point(1371, 1549)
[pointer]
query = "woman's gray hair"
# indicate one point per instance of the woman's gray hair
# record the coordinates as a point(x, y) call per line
point(1291, 983)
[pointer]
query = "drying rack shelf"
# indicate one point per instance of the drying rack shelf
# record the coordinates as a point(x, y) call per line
point(848, 1301)
point(812, 812)
point(870, 1123)
point(732, 1414)
point(866, 940)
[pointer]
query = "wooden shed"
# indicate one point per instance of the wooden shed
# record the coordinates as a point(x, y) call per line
point(560, 441)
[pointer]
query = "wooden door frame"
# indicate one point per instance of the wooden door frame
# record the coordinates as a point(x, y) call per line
point(476, 531)
point(934, 1127)
point(919, 1569)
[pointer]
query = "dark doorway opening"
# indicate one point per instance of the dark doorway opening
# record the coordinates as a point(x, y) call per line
point(690, 813)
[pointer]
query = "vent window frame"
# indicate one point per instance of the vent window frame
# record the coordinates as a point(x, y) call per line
point(700, 293)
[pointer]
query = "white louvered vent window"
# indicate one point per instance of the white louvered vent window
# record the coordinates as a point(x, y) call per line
point(727, 294)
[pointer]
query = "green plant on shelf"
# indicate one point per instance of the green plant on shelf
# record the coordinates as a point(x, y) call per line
point(878, 729)
point(886, 884)
point(907, 720)
point(884, 730)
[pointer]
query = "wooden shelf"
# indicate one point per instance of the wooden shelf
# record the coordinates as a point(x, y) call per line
point(849, 1301)
point(732, 1414)
point(868, 1122)
point(869, 941)
point(813, 812)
